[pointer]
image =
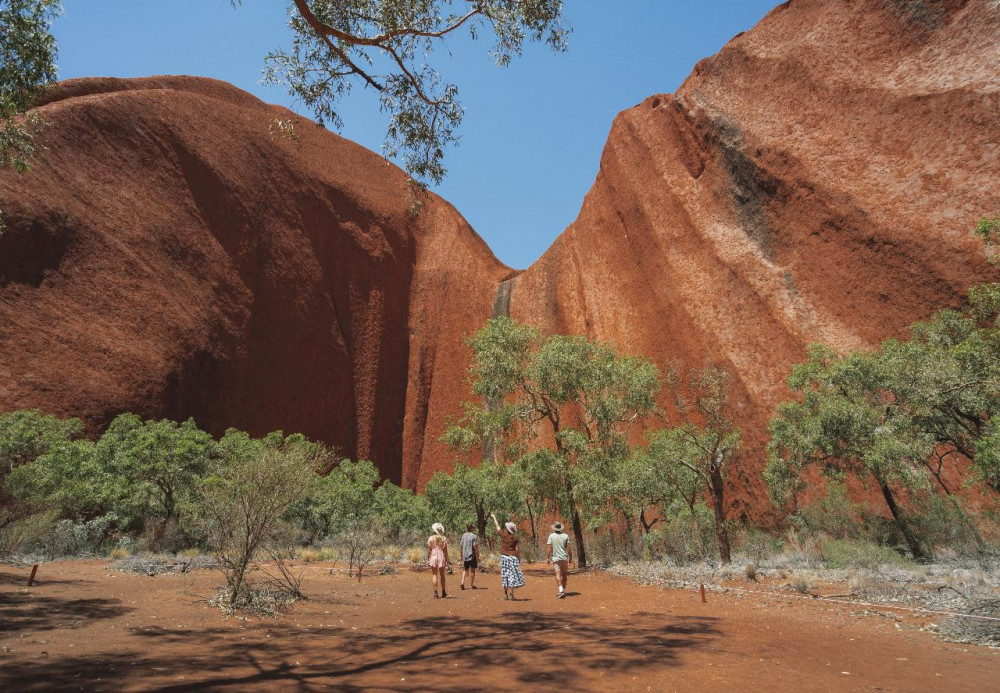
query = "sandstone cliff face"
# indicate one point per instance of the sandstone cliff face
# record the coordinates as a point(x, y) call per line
point(814, 181)
point(172, 256)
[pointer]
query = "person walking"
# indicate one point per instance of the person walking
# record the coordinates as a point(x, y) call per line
point(560, 555)
point(470, 556)
point(437, 557)
point(510, 558)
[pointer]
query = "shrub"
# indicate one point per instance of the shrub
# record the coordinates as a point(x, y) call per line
point(612, 547)
point(69, 538)
point(750, 570)
point(308, 555)
point(684, 539)
point(848, 553)
point(360, 545)
point(800, 584)
point(416, 555)
point(757, 546)
point(244, 504)
point(24, 533)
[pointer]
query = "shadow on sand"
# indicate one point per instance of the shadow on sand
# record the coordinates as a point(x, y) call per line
point(515, 646)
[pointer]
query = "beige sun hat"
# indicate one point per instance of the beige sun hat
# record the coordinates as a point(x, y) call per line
point(511, 527)
point(557, 526)
point(438, 528)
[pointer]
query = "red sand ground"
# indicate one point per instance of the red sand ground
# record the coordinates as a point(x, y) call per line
point(85, 627)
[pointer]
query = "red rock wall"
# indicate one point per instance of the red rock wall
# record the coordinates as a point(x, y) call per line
point(817, 180)
point(168, 256)
point(814, 181)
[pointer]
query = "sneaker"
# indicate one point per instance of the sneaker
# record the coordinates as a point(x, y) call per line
point(474, 587)
point(562, 595)
point(461, 587)
point(444, 595)
point(436, 594)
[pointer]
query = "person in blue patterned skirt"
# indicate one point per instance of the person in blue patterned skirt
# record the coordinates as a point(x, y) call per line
point(510, 558)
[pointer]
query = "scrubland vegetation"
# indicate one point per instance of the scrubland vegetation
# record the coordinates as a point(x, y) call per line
point(884, 462)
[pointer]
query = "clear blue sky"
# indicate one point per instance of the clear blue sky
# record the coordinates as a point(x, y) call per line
point(533, 132)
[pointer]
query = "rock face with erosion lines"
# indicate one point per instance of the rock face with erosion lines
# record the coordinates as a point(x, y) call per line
point(173, 254)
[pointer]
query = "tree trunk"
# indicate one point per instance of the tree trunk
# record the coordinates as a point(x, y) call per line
point(534, 521)
point(697, 529)
point(628, 524)
point(647, 527)
point(911, 540)
point(716, 491)
point(577, 525)
point(481, 523)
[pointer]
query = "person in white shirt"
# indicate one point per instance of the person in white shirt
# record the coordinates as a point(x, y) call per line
point(560, 555)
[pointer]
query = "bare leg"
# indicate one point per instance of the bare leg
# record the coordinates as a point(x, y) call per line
point(434, 579)
point(472, 582)
point(464, 572)
point(444, 571)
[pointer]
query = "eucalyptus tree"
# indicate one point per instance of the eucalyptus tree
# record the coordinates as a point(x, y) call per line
point(25, 437)
point(152, 468)
point(27, 64)
point(468, 494)
point(846, 424)
point(388, 46)
point(337, 45)
point(902, 414)
point(693, 458)
point(562, 406)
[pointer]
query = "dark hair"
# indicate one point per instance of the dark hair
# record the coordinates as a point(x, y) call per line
point(468, 528)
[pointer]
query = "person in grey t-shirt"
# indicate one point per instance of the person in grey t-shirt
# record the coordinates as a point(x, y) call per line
point(560, 555)
point(470, 556)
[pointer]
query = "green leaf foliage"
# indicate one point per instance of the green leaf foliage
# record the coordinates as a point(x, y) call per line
point(388, 46)
point(559, 410)
point(28, 55)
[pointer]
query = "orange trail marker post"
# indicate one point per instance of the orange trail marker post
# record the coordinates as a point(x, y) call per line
point(702, 590)
point(31, 578)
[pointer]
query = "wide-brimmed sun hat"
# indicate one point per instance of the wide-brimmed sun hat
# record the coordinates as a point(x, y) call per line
point(558, 526)
point(511, 527)
point(437, 528)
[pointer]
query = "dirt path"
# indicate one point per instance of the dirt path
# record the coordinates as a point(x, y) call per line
point(83, 627)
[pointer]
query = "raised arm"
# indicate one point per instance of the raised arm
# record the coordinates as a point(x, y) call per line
point(495, 522)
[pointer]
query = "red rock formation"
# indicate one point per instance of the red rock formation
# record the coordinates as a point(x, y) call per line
point(169, 255)
point(814, 181)
point(817, 180)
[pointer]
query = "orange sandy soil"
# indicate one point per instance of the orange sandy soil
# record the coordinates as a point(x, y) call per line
point(83, 627)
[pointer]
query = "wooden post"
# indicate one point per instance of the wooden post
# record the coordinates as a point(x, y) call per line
point(702, 590)
point(31, 578)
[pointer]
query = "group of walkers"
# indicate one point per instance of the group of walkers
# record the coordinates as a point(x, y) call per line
point(559, 556)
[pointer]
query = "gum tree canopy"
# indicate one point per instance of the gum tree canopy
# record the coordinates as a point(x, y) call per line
point(561, 407)
point(385, 45)
point(27, 63)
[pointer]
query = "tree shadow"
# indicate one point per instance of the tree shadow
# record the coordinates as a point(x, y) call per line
point(20, 579)
point(28, 612)
point(516, 648)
